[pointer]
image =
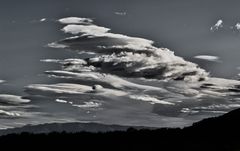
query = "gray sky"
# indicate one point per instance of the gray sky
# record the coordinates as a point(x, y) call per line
point(182, 26)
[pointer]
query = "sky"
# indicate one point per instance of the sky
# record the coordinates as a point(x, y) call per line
point(203, 32)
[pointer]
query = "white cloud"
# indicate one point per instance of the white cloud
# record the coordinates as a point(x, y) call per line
point(217, 26)
point(12, 99)
point(43, 19)
point(50, 60)
point(150, 99)
point(237, 26)
point(112, 80)
point(56, 45)
point(88, 105)
point(12, 114)
point(219, 107)
point(91, 30)
point(144, 62)
point(61, 101)
point(122, 66)
point(1, 81)
point(70, 88)
point(190, 111)
point(208, 58)
point(120, 13)
point(74, 20)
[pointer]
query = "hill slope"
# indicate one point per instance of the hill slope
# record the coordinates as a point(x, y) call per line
point(219, 133)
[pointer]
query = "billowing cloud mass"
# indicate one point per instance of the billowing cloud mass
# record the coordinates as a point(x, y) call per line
point(217, 26)
point(208, 58)
point(137, 56)
point(119, 79)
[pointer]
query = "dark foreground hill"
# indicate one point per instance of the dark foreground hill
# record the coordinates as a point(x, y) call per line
point(220, 133)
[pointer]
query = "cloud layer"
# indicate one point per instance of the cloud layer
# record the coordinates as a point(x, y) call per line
point(119, 79)
point(132, 68)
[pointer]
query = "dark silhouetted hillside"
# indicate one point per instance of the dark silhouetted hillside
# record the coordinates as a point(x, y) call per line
point(215, 134)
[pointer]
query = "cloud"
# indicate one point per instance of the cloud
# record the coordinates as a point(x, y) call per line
point(43, 19)
point(217, 26)
point(115, 81)
point(13, 106)
point(120, 13)
point(214, 108)
point(69, 88)
point(75, 20)
point(124, 70)
point(219, 106)
point(11, 114)
point(136, 55)
point(88, 105)
point(237, 26)
point(61, 101)
point(1, 81)
point(90, 30)
point(150, 99)
point(70, 61)
point(50, 60)
point(208, 58)
point(56, 45)
point(189, 111)
point(12, 99)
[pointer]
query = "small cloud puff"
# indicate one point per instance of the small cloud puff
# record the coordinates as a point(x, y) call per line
point(217, 26)
point(237, 26)
point(43, 19)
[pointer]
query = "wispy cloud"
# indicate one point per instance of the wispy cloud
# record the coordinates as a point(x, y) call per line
point(12, 99)
point(75, 20)
point(208, 58)
point(120, 13)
